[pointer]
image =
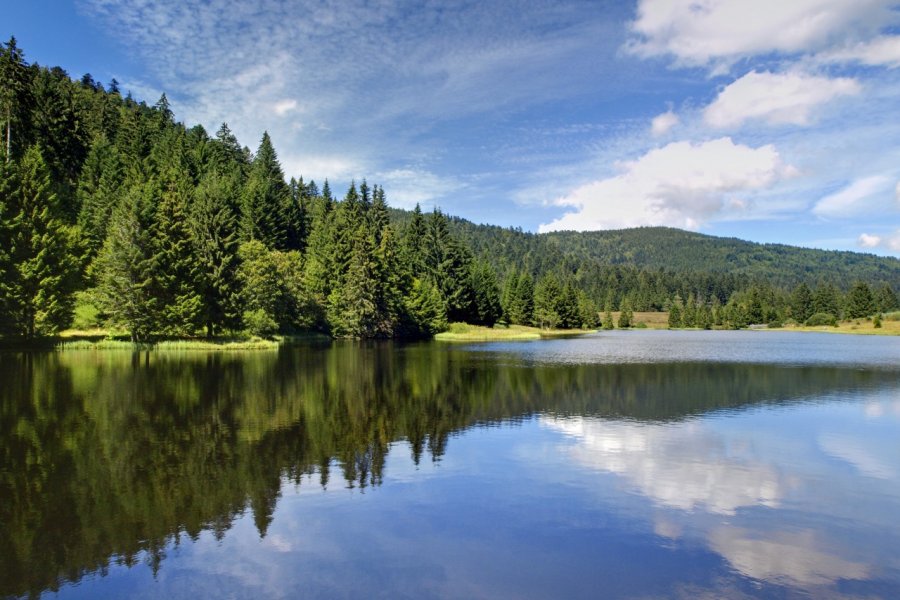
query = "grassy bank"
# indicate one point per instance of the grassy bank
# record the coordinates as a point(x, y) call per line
point(463, 332)
point(856, 326)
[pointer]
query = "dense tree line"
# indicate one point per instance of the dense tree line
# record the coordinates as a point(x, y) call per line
point(111, 206)
point(165, 230)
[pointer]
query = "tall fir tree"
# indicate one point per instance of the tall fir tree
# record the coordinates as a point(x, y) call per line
point(801, 303)
point(99, 187)
point(214, 234)
point(860, 302)
point(125, 268)
point(45, 268)
point(15, 99)
point(266, 199)
point(486, 295)
point(546, 301)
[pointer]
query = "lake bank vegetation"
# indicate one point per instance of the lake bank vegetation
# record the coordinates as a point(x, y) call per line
point(114, 217)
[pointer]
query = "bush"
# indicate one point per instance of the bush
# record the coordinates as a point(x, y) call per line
point(260, 323)
point(775, 324)
point(819, 319)
point(877, 321)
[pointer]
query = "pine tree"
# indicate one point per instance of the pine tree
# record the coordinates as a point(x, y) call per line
point(8, 186)
point(567, 308)
point(425, 308)
point(523, 302)
point(320, 264)
point(608, 323)
point(588, 311)
point(352, 307)
point(447, 263)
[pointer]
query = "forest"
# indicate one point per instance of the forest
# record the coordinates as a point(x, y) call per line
point(114, 215)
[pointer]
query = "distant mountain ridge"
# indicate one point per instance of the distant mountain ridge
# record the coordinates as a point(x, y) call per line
point(671, 250)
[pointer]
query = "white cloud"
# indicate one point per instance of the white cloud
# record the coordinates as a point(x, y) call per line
point(282, 107)
point(799, 557)
point(869, 241)
point(719, 32)
point(897, 191)
point(853, 199)
point(889, 242)
point(881, 51)
point(663, 123)
point(775, 98)
point(687, 467)
point(680, 185)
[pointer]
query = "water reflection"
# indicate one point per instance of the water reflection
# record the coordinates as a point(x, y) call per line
point(113, 458)
point(804, 496)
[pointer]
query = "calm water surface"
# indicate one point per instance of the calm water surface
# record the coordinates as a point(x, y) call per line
point(619, 465)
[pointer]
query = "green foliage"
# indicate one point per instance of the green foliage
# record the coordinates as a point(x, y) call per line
point(43, 267)
point(626, 315)
point(860, 302)
point(486, 295)
point(876, 321)
point(260, 323)
point(821, 319)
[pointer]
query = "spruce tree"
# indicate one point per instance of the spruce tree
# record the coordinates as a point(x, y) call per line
point(675, 313)
point(626, 316)
point(125, 268)
point(99, 187)
point(825, 300)
point(42, 249)
point(8, 187)
point(886, 299)
point(523, 302)
point(801, 303)
point(176, 265)
point(15, 99)
point(267, 204)
point(860, 302)
point(546, 300)
point(213, 226)
point(487, 309)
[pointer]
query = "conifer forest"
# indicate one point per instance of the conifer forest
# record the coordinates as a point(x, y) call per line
point(113, 214)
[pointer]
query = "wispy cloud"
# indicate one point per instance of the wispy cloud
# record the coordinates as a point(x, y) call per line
point(854, 198)
point(775, 98)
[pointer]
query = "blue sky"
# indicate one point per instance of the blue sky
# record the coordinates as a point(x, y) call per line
point(773, 120)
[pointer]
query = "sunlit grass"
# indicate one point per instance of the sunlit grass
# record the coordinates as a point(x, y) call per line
point(463, 332)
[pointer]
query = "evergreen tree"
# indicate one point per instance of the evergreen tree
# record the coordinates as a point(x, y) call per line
point(181, 303)
point(886, 299)
point(352, 307)
point(15, 99)
point(267, 204)
point(675, 313)
point(567, 308)
point(801, 303)
point(320, 264)
point(487, 309)
point(608, 323)
point(860, 302)
point(508, 296)
point(825, 300)
point(125, 269)
point(447, 263)
point(523, 301)
point(425, 309)
point(626, 315)
point(8, 186)
point(213, 226)
point(99, 187)
point(43, 254)
point(546, 300)
point(588, 311)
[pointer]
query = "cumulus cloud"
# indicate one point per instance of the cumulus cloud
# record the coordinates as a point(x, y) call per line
point(663, 123)
point(796, 557)
point(687, 467)
point(282, 107)
point(853, 199)
point(681, 185)
point(884, 242)
point(719, 32)
point(775, 98)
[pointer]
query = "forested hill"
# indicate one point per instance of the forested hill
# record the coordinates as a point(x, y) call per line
point(674, 251)
point(780, 264)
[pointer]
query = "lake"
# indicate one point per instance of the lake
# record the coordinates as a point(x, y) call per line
point(637, 464)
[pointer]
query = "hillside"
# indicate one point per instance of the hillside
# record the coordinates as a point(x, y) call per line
point(674, 251)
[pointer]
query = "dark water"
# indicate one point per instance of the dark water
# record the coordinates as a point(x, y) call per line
point(622, 465)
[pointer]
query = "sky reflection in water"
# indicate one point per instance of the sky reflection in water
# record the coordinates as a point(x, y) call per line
point(544, 470)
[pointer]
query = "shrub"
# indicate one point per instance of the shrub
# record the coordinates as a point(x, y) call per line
point(820, 319)
point(260, 323)
point(877, 321)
